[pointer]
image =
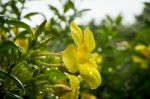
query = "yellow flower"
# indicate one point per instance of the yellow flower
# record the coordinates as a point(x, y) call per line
point(144, 50)
point(23, 43)
point(87, 96)
point(142, 62)
point(74, 84)
point(140, 47)
point(78, 57)
point(98, 58)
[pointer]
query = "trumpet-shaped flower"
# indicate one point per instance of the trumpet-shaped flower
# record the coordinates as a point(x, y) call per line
point(78, 57)
point(74, 84)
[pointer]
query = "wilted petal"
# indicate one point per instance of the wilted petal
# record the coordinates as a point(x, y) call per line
point(76, 33)
point(70, 59)
point(90, 75)
point(89, 41)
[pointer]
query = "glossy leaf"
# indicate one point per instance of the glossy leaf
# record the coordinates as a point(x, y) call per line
point(8, 45)
point(23, 35)
point(12, 95)
point(20, 24)
point(40, 29)
point(54, 9)
point(15, 9)
point(55, 75)
point(68, 5)
point(29, 15)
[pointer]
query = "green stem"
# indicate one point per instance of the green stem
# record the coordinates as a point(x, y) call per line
point(51, 65)
point(50, 54)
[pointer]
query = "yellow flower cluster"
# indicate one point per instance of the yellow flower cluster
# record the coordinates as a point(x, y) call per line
point(145, 51)
point(78, 57)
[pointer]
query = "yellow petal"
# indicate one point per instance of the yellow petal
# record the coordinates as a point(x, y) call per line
point(89, 41)
point(76, 33)
point(70, 59)
point(146, 52)
point(87, 96)
point(23, 43)
point(137, 59)
point(74, 84)
point(83, 54)
point(144, 64)
point(97, 57)
point(66, 96)
point(90, 75)
point(92, 62)
point(140, 47)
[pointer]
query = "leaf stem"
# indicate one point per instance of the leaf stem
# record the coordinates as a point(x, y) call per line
point(51, 65)
point(49, 54)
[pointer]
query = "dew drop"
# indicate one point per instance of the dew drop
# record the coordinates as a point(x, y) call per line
point(110, 69)
point(57, 97)
point(48, 69)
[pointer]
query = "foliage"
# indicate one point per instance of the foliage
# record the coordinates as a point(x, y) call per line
point(125, 51)
point(28, 69)
point(57, 60)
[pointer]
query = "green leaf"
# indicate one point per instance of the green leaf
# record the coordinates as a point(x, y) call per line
point(68, 6)
point(80, 13)
point(55, 75)
point(84, 10)
point(20, 24)
point(147, 4)
point(109, 19)
point(44, 42)
point(29, 15)
point(23, 35)
point(2, 20)
point(40, 29)
point(12, 95)
point(22, 1)
point(118, 19)
point(15, 9)
point(54, 9)
point(8, 45)
point(15, 79)
point(63, 18)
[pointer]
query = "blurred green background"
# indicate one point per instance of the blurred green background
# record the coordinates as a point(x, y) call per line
point(124, 50)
